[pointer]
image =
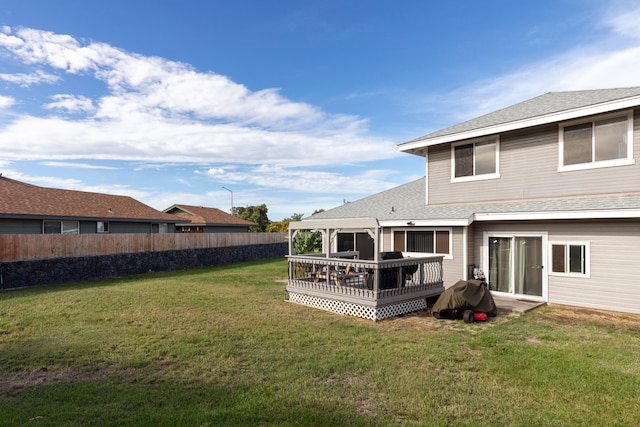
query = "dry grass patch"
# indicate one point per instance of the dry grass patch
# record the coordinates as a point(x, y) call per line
point(569, 315)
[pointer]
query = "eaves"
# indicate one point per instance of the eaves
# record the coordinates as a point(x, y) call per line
point(521, 124)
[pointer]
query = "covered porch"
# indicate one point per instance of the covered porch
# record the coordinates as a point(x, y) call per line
point(371, 283)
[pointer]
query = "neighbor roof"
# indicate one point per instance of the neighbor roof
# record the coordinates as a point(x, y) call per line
point(19, 199)
point(199, 215)
point(548, 108)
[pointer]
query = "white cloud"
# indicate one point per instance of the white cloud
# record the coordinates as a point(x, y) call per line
point(6, 101)
point(26, 80)
point(160, 110)
point(306, 180)
point(70, 103)
point(614, 61)
point(625, 20)
point(76, 165)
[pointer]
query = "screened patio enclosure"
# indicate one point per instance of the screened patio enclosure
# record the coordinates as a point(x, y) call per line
point(353, 276)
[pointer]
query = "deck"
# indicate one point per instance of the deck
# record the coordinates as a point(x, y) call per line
point(373, 290)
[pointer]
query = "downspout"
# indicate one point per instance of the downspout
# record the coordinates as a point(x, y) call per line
point(376, 252)
point(426, 174)
point(465, 252)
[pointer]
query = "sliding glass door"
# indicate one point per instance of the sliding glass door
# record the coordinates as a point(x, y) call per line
point(516, 264)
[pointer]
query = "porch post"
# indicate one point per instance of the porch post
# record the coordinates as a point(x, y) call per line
point(328, 234)
point(376, 258)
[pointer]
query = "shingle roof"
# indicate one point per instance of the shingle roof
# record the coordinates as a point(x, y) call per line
point(199, 215)
point(549, 103)
point(19, 199)
point(407, 203)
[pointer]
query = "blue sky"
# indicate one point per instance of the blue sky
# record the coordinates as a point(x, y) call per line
point(298, 105)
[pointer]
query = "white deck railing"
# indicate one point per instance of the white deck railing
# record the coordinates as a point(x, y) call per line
point(343, 277)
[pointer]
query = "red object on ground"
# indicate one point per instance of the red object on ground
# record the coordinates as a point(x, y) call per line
point(479, 316)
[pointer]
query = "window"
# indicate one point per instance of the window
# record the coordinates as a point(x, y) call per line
point(570, 258)
point(475, 160)
point(163, 227)
point(425, 241)
point(597, 143)
point(103, 227)
point(361, 242)
point(60, 227)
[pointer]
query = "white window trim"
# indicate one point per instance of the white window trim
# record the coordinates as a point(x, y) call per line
point(481, 177)
point(484, 249)
point(629, 160)
point(566, 244)
point(423, 254)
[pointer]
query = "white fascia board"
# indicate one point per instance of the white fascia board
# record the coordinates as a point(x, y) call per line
point(520, 124)
point(427, 223)
point(334, 223)
point(524, 216)
point(515, 216)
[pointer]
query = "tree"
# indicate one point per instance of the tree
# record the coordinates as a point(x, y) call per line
point(283, 226)
point(257, 214)
point(277, 227)
point(307, 242)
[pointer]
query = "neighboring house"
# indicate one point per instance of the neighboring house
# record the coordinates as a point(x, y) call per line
point(29, 209)
point(198, 219)
point(543, 196)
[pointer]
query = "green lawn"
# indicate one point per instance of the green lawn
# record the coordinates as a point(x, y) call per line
point(220, 346)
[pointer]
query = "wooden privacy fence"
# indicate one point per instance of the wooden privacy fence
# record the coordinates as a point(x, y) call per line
point(22, 247)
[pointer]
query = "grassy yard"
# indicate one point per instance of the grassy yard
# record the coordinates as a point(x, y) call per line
point(220, 346)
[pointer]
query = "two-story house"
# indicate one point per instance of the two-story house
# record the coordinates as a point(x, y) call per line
point(542, 196)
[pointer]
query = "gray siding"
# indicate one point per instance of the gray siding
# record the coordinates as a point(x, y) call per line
point(129, 227)
point(88, 227)
point(615, 270)
point(20, 226)
point(134, 227)
point(34, 226)
point(528, 167)
point(614, 283)
point(226, 229)
point(454, 269)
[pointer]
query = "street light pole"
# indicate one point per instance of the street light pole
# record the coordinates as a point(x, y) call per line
point(231, 199)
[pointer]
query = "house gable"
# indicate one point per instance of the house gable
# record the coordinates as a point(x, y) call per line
point(207, 219)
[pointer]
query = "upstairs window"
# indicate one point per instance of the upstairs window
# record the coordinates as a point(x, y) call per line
point(598, 143)
point(476, 160)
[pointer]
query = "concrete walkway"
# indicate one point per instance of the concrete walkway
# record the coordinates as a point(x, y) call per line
point(515, 304)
